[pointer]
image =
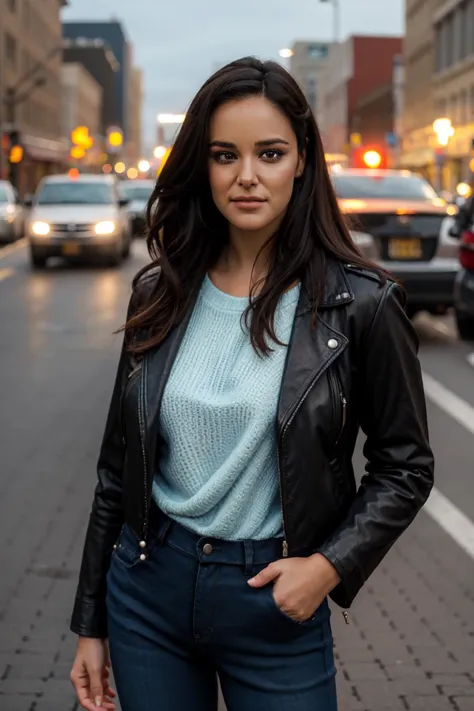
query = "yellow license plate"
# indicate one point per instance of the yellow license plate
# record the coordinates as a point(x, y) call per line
point(405, 248)
point(71, 250)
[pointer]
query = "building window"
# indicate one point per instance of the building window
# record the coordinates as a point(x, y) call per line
point(471, 103)
point(11, 4)
point(317, 51)
point(454, 110)
point(10, 49)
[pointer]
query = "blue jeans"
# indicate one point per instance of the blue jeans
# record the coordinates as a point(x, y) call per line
point(185, 615)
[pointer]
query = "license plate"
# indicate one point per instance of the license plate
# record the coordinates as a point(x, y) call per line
point(71, 250)
point(404, 248)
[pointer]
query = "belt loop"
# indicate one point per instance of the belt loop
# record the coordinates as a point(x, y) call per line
point(248, 552)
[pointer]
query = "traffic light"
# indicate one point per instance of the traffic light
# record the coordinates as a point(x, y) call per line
point(370, 157)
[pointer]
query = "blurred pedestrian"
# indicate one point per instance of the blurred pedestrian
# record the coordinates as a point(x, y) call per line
point(257, 341)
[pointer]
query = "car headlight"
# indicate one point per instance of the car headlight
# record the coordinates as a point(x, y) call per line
point(362, 239)
point(10, 210)
point(105, 228)
point(40, 228)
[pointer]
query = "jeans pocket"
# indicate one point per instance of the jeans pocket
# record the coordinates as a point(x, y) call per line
point(127, 549)
point(284, 615)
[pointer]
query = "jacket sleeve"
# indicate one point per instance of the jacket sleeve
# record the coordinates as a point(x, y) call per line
point(400, 466)
point(89, 617)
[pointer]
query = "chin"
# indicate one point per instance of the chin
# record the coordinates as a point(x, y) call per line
point(250, 223)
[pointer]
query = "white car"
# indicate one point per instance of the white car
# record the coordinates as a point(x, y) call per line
point(11, 213)
point(78, 217)
point(139, 193)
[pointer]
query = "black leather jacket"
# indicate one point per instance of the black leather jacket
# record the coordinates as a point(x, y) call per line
point(358, 368)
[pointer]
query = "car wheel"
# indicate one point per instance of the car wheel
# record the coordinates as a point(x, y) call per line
point(465, 326)
point(37, 261)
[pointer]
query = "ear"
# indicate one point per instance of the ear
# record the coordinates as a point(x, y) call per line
point(301, 164)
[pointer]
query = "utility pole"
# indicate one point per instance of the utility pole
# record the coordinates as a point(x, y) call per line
point(336, 17)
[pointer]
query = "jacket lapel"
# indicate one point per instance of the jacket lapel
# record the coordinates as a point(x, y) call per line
point(312, 350)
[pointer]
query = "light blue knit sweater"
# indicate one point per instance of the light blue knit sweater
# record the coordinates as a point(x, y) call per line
point(218, 473)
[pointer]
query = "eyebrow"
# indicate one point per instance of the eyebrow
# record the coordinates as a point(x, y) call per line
point(261, 144)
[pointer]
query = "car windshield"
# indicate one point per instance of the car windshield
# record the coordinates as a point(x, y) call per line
point(138, 192)
point(3, 194)
point(389, 187)
point(71, 193)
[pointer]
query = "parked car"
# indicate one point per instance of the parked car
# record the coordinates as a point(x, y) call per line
point(78, 217)
point(11, 213)
point(138, 193)
point(464, 287)
point(398, 220)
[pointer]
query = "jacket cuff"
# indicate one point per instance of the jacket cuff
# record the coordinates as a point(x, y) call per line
point(351, 581)
point(89, 618)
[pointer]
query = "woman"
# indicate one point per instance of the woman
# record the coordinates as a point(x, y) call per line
point(257, 342)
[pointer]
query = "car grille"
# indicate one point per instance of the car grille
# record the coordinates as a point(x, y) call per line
point(385, 227)
point(71, 228)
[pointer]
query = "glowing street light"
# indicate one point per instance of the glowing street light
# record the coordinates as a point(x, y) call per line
point(159, 152)
point(144, 166)
point(286, 53)
point(120, 167)
point(132, 173)
point(444, 129)
point(171, 118)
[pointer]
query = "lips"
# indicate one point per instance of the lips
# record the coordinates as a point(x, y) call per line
point(247, 202)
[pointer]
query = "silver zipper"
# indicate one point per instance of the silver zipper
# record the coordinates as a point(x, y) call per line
point(141, 410)
point(300, 402)
point(285, 544)
point(344, 416)
point(345, 615)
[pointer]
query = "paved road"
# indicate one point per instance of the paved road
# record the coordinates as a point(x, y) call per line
point(410, 644)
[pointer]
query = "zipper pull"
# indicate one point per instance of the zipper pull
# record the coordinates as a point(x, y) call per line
point(345, 614)
point(285, 549)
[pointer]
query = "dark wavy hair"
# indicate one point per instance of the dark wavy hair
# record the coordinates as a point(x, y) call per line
point(187, 233)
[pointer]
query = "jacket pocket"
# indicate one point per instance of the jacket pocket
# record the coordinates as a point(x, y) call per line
point(339, 406)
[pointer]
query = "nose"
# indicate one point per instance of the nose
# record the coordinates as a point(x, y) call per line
point(247, 177)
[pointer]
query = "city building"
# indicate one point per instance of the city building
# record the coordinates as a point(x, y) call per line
point(306, 65)
point(439, 61)
point(81, 100)
point(134, 143)
point(357, 74)
point(112, 34)
point(100, 62)
point(419, 141)
point(30, 90)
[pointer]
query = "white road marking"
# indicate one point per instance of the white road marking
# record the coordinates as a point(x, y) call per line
point(470, 358)
point(451, 520)
point(5, 273)
point(452, 404)
point(441, 509)
point(15, 247)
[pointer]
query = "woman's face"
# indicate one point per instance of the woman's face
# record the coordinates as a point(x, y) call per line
point(253, 163)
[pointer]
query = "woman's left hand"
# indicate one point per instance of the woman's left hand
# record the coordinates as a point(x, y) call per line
point(300, 584)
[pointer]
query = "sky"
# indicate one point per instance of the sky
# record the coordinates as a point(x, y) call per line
point(178, 43)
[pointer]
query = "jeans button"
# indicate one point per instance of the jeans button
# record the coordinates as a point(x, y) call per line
point(207, 549)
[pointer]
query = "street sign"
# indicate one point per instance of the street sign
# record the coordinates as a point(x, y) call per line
point(391, 139)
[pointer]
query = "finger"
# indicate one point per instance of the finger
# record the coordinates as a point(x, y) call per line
point(96, 688)
point(271, 572)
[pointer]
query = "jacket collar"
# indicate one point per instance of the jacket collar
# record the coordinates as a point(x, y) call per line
point(337, 290)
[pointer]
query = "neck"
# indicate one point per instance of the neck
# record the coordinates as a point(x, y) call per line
point(246, 252)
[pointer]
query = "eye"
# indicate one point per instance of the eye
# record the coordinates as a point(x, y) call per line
point(223, 157)
point(272, 155)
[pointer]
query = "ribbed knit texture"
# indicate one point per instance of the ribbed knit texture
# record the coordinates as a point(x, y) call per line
point(218, 472)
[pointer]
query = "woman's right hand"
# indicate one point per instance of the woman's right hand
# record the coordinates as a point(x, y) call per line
point(90, 675)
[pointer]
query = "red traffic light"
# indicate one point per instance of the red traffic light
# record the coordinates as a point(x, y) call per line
point(370, 157)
